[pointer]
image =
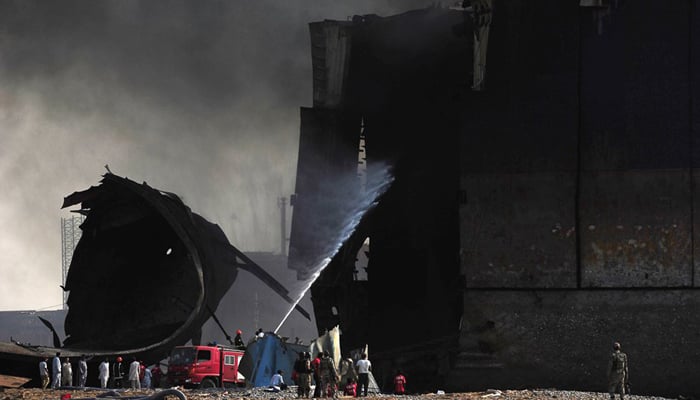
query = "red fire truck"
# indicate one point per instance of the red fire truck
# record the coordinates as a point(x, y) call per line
point(205, 366)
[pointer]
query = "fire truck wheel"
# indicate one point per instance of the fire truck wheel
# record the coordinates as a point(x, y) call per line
point(208, 383)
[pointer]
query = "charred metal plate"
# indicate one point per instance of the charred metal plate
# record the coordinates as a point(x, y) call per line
point(635, 229)
point(518, 230)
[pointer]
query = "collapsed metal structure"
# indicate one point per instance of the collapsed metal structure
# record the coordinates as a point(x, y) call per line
point(133, 237)
point(530, 224)
point(145, 276)
point(147, 272)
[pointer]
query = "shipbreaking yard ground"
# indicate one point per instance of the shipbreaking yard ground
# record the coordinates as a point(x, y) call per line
point(262, 393)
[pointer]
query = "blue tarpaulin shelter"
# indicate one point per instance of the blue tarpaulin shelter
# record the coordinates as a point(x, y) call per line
point(264, 356)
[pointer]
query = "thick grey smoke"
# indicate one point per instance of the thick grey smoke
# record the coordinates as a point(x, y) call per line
point(200, 98)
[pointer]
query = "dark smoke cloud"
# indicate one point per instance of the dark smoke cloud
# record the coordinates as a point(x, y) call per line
point(200, 98)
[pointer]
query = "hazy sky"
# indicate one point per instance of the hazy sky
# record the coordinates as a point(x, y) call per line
point(200, 98)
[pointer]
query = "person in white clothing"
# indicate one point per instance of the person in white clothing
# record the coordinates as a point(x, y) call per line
point(67, 373)
point(104, 373)
point(56, 370)
point(82, 369)
point(363, 368)
point(134, 371)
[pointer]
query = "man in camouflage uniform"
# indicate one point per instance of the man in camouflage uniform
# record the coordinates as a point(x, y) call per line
point(618, 374)
point(329, 376)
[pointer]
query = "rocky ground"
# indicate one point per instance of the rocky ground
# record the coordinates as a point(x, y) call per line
point(259, 393)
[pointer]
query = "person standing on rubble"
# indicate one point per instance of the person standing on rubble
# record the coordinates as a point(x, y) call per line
point(399, 383)
point(364, 366)
point(104, 373)
point(82, 370)
point(329, 376)
point(117, 373)
point(44, 372)
point(66, 373)
point(56, 370)
point(618, 374)
point(142, 372)
point(316, 368)
point(147, 375)
point(156, 374)
point(297, 371)
point(305, 375)
point(134, 372)
point(346, 368)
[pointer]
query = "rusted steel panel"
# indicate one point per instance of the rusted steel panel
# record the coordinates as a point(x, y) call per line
point(635, 229)
point(635, 206)
point(518, 230)
point(518, 153)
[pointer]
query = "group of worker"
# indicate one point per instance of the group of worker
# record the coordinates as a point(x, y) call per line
point(353, 375)
point(322, 369)
point(326, 377)
point(62, 373)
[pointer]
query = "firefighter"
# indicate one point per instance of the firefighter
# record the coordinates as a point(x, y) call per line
point(238, 340)
point(117, 373)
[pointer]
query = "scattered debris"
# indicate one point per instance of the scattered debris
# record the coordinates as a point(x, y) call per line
point(290, 393)
point(9, 381)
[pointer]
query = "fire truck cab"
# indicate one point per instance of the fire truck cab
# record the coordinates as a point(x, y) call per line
point(205, 366)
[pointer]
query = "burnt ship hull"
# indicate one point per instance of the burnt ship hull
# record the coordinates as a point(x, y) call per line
point(531, 223)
